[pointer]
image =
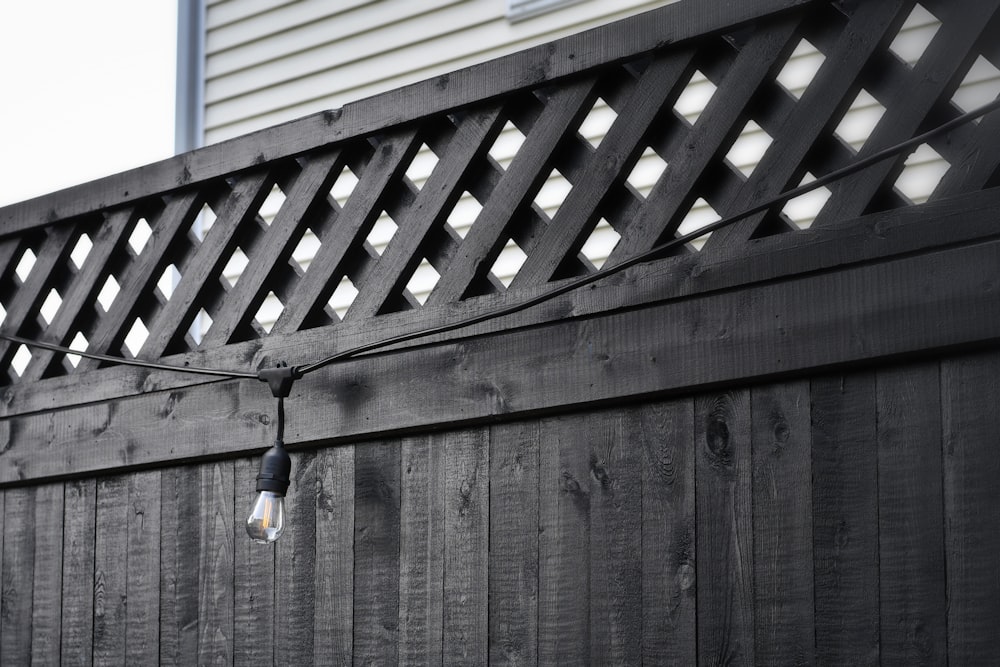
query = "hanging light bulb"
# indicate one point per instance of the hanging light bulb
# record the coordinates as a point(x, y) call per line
point(267, 515)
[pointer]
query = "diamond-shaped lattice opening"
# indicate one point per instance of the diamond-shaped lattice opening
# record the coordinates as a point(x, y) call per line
point(748, 149)
point(80, 251)
point(140, 236)
point(305, 250)
point(701, 214)
point(597, 123)
point(168, 281)
point(695, 97)
point(206, 218)
point(342, 298)
point(200, 326)
point(647, 170)
point(800, 68)
point(271, 205)
point(423, 280)
point(136, 337)
point(421, 166)
point(344, 186)
point(553, 193)
point(21, 359)
point(507, 144)
point(3, 313)
point(50, 306)
point(915, 35)
point(980, 86)
point(465, 212)
point(108, 293)
point(921, 173)
point(269, 311)
point(860, 120)
point(234, 268)
point(600, 243)
point(508, 263)
point(80, 343)
point(802, 210)
point(25, 264)
point(382, 232)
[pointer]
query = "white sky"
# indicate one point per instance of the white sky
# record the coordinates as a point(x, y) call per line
point(87, 90)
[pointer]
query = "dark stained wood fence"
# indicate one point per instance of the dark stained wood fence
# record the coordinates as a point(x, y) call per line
point(777, 449)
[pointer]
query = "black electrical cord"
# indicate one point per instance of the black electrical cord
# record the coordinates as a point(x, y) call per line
point(298, 371)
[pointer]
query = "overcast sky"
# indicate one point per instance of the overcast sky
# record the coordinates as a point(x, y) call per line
point(88, 90)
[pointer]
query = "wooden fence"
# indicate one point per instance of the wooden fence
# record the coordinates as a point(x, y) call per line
point(777, 447)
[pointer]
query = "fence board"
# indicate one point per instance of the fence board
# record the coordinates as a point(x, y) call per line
point(514, 537)
point(17, 576)
point(969, 388)
point(422, 534)
point(723, 492)
point(782, 525)
point(215, 563)
point(46, 627)
point(466, 548)
point(78, 573)
point(376, 552)
point(180, 558)
point(333, 628)
point(295, 567)
point(142, 636)
point(665, 432)
point(254, 613)
point(111, 571)
point(911, 539)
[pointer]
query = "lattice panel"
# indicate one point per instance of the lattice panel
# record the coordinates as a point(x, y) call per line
point(515, 192)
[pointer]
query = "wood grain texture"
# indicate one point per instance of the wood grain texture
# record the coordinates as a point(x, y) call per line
point(142, 636)
point(564, 542)
point(254, 613)
point(215, 563)
point(295, 567)
point(17, 576)
point(782, 525)
point(180, 558)
point(46, 617)
point(845, 519)
point(466, 549)
point(664, 432)
point(376, 552)
point(77, 600)
point(724, 496)
point(334, 618)
point(969, 394)
point(422, 534)
point(111, 570)
point(912, 574)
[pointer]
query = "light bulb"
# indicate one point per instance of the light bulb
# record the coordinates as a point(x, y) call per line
point(267, 517)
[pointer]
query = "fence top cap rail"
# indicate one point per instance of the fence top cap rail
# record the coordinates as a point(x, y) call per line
point(611, 43)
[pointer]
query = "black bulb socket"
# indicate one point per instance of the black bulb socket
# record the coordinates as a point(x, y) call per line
point(275, 469)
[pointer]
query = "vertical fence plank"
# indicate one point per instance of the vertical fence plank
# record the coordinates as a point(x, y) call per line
point(782, 525)
point(110, 567)
point(180, 555)
point(563, 543)
point(46, 626)
point(78, 573)
point(845, 519)
point(421, 550)
point(143, 587)
point(376, 552)
point(467, 512)
point(215, 564)
point(665, 433)
point(253, 576)
point(295, 567)
point(513, 566)
point(615, 539)
point(18, 566)
point(724, 528)
point(334, 556)
point(911, 540)
point(970, 390)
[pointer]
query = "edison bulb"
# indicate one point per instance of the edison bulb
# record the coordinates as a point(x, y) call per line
point(267, 517)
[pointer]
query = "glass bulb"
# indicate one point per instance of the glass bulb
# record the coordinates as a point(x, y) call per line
point(267, 517)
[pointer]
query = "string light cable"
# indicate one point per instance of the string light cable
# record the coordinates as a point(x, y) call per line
point(296, 372)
